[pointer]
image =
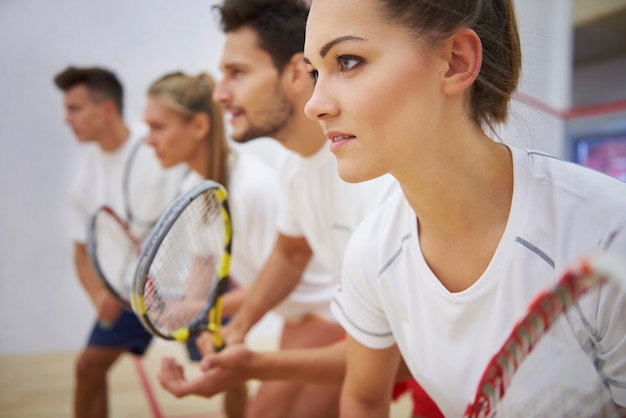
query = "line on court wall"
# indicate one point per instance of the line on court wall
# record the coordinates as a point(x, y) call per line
point(574, 113)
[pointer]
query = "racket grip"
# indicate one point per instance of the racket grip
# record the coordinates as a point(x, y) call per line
point(218, 342)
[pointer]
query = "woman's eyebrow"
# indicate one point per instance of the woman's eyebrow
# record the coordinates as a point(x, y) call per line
point(327, 46)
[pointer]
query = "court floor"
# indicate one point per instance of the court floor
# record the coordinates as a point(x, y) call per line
point(40, 386)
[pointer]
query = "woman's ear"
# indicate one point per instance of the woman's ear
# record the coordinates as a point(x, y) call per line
point(463, 54)
point(295, 75)
point(200, 126)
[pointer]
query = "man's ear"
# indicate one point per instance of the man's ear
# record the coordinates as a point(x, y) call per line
point(200, 126)
point(295, 75)
point(463, 54)
point(109, 108)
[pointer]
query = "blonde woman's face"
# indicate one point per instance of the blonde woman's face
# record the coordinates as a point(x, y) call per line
point(170, 133)
point(377, 93)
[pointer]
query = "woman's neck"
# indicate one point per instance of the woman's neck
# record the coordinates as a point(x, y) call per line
point(462, 203)
point(199, 161)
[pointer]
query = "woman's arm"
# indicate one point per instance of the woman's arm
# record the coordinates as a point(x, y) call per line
point(370, 375)
point(235, 364)
point(280, 276)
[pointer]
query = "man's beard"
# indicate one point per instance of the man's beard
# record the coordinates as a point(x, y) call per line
point(275, 118)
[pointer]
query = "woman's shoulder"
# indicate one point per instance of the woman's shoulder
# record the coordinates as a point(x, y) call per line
point(567, 174)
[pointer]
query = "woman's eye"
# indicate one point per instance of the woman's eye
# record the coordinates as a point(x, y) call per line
point(347, 63)
point(313, 74)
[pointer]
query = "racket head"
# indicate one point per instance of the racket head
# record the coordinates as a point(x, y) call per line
point(113, 253)
point(182, 270)
point(543, 312)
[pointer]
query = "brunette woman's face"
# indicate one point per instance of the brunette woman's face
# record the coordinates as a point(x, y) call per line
point(170, 133)
point(377, 93)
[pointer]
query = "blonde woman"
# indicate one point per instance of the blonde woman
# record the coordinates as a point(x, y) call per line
point(186, 126)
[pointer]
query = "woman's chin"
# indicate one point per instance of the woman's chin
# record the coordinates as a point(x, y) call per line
point(167, 164)
point(356, 175)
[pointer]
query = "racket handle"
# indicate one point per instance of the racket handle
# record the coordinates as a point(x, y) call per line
point(218, 342)
point(215, 321)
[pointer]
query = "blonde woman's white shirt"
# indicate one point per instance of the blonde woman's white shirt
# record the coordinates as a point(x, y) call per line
point(253, 202)
point(560, 211)
point(100, 181)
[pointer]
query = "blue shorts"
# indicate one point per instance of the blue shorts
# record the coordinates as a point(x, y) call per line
point(129, 333)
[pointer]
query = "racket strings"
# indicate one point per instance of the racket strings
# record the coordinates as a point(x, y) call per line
point(183, 274)
point(575, 390)
point(500, 371)
point(561, 402)
point(543, 312)
point(116, 253)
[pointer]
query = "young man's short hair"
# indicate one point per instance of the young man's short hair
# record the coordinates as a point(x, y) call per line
point(101, 83)
point(279, 24)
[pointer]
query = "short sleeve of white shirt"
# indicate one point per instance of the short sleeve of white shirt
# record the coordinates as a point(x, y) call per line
point(253, 198)
point(357, 305)
point(253, 190)
point(287, 220)
point(83, 196)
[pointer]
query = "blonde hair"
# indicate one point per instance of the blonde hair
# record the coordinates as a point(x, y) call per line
point(189, 96)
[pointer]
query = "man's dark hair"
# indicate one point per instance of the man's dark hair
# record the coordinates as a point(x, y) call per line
point(279, 24)
point(101, 83)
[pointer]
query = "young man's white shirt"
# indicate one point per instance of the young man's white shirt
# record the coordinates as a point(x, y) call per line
point(388, 294)
point(317, 205)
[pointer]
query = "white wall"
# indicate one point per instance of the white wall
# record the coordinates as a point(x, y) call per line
point(595, 84)
point(546, 36)
point(549, 79)
point(600, 82)
point(42, 307)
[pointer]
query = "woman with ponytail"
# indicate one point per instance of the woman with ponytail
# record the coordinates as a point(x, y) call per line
point(441, 272)
point(186, 126)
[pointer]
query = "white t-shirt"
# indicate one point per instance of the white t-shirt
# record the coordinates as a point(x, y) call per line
point(317, 205)
point(388, 294)
point(253, 202)
point(100, 181)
